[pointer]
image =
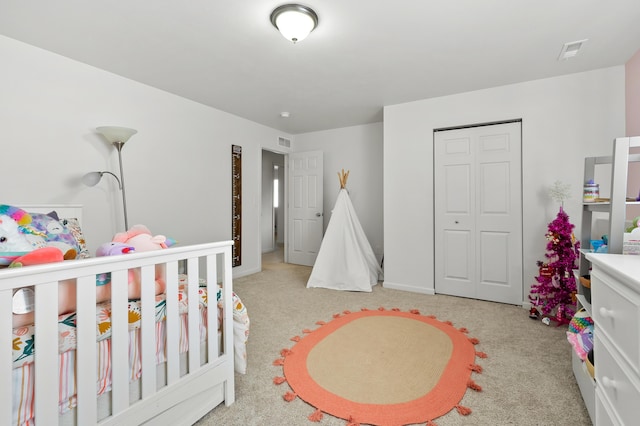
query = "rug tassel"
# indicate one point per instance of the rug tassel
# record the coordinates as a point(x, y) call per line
point(465, 411)
point(346, 312)
point(295, 339)
point(320, 323)
point(279, 380)
point(307, 331)
point(414, 312)
point(473, 385)
point(364, 309)
point(481, 354)
point(279, 361)
point(289, 396)
point(286, 352)
point(430, 423)
point(463, 330)
point(337, 315)
point(381, 309)
point(431, 316)
point(352, 422)
point(395, 309)
point(474, 340)
point(475, 367)
point(316, 416)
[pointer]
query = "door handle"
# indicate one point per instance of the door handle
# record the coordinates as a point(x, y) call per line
point(318, 214)
point(456, 222)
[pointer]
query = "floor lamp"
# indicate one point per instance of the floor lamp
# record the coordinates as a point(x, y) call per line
point(117, 136)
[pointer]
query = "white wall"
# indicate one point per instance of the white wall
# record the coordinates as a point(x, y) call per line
point(177, 168)
point(564, 119)
point(632, 99)
point(359, 150)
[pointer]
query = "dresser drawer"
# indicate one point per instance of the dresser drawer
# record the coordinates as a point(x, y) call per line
point(605, 415)
point(615, 385)
point(616, 313)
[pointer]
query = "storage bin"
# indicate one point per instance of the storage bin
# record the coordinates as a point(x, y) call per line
point(585, 283)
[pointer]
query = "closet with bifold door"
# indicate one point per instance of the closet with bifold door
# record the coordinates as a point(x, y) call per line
point(478, 212)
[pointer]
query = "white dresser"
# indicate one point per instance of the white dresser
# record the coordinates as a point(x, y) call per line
point(615, 297)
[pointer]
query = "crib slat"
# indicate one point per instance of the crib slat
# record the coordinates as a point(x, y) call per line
point(194, 314)
point(229, 387)
point(148, 331)
point(6, 356)
point(86, 352)
point(172, 325)
point(119, 341)
point(212, 308)
point(46, 353)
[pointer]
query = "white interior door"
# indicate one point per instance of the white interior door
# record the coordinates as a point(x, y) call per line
point(305, 222)
point(478, 212)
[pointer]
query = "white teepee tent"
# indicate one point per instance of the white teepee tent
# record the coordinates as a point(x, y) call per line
point(345, 260)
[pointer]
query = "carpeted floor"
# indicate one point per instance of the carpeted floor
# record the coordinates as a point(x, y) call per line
point(527, 378)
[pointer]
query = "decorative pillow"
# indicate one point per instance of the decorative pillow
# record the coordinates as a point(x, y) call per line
point(73, 225)
point(53, 233)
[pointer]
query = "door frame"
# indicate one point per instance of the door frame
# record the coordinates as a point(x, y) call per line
point(285, 202)
point(521, 230)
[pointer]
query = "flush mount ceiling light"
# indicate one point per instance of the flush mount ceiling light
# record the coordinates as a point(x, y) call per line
point(294, 21)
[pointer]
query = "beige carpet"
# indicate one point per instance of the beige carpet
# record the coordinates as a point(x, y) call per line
point(527, 378)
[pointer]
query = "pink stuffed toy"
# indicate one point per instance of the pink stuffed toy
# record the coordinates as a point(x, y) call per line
point(140, 238)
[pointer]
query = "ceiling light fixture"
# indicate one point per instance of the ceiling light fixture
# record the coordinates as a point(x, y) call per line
point(294, 21)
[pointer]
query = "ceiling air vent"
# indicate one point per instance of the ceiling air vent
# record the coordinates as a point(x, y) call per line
point(569, 50)
point(284, 142)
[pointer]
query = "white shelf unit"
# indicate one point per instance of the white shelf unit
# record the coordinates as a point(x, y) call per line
point(616, 210)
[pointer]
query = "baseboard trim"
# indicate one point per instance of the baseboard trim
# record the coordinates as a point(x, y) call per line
point(409, 288)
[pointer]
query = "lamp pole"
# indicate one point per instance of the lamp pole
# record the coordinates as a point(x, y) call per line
point(119, 146)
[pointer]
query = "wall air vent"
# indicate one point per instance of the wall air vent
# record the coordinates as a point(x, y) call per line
point(569, 50)
point(284, 142)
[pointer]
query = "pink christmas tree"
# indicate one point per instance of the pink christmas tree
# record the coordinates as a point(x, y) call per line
point(556, 283)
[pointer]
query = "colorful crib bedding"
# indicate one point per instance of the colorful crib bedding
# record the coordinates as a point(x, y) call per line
point(23, 347)
point(23, 337)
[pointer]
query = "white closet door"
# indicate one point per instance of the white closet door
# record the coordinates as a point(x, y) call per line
point(478, 212)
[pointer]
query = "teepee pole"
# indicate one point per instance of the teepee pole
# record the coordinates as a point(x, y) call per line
point(342, 177)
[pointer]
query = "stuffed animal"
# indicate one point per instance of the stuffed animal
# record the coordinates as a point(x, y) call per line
point(15, 226)
point(13, 229)
point(35, 230)
point(103, 281)
point(51, 232)
point(141, 239)
point(113, 248)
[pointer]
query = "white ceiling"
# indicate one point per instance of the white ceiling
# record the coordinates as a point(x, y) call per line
point(365, 54)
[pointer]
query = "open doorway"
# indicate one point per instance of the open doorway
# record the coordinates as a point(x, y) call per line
point(272, 217)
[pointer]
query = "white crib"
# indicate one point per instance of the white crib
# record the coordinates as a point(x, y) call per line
point(174, 396)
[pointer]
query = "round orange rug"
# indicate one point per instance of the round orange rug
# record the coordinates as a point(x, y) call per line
point(381, 367)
